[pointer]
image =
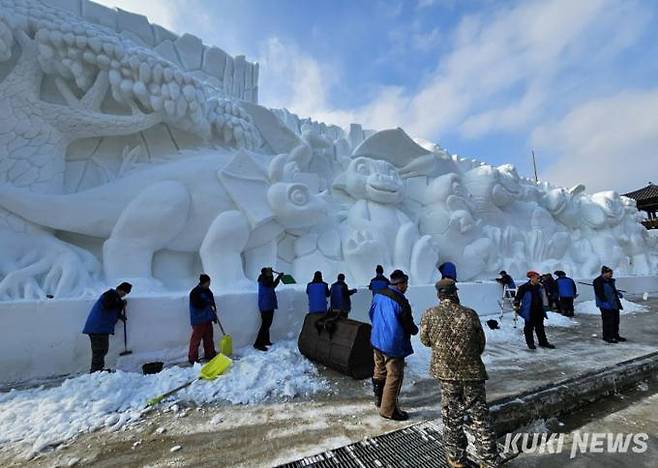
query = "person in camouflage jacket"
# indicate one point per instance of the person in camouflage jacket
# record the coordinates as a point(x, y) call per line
point(455, 334)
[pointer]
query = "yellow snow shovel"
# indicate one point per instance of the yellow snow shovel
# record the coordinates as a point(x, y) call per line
point(210, 371)
point(226, 343)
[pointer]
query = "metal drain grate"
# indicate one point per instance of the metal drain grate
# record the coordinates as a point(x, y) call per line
point(418, 446)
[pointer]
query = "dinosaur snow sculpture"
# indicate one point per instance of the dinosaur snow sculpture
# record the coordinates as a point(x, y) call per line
point(64, 79)
point(217, 205)
point(377, 231)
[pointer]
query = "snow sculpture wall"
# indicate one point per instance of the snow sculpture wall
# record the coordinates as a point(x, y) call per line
point(129, 153)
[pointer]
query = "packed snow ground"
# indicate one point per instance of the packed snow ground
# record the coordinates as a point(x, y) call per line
point(42, 417)
point(418, 363)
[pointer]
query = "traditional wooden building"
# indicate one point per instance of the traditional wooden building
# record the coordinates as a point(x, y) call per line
point(647, 200)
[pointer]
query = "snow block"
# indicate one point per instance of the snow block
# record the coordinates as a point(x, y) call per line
point(214, 62)
point(190, 50)
point(162, 34)
point(99, 14)
point(137, 24)
point(167, 51)
point(72, 6)
point(238, 76)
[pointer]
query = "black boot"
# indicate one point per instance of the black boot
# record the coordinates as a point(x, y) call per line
point(398, 415)
point(378, 390)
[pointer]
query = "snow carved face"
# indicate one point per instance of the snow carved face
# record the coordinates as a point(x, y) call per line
point(556, 200)
point(374, 180)
point(295, 206)
point(611, 204)
point(443, 187)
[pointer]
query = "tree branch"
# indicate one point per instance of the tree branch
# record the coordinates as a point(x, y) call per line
point(82, 123)
point(94, 97)
point(26, 74)
point(66, 93)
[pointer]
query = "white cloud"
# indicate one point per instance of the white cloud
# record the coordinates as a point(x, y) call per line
point(610, 142)
point(289, 78)
point(527, 46)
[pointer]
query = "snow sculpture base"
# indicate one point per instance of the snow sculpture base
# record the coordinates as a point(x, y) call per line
point(45, 339)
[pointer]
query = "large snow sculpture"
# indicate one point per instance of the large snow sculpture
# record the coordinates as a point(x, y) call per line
point(129, 152)
point(194, 204)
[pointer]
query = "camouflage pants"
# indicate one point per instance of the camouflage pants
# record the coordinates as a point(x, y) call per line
point(461, 398)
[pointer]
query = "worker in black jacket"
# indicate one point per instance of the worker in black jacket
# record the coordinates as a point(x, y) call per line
point(378, 282)
point(608, 301)
point(106, 312)
point(529, 303)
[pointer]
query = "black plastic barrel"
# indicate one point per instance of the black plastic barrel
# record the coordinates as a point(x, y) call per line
point(152, 367)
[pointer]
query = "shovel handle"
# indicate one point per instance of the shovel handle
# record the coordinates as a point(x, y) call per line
point(158, 399)
point(220, 326)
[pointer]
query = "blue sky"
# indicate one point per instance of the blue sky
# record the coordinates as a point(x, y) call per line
point(575, 80)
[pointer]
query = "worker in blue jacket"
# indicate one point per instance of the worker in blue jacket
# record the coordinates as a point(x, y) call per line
point(267, 304)
point(608, 301)
point(341, 296)
point(106, 312)
point(567, 292)
point(203, 312)
point(448, 270)
point(392, 327)
point(529, 304)
point(379, 281)
point(317, 292)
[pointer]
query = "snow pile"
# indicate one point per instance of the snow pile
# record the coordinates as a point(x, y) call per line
point(589, 308)
point(47, 417)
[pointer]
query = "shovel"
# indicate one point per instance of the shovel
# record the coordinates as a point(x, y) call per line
point(226, 343)
point(125, 351)
point(210, 371)
point(286, 278)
